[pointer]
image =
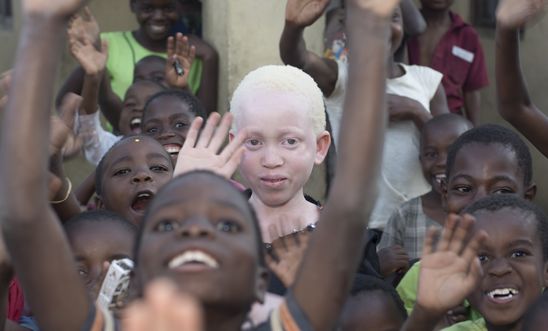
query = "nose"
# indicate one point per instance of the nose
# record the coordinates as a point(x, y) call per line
point(163, 135)
point(271, 158)
point(141, 176)
point(198, 227)
point(158, 14)
point(441, 160)
point(480, 194)
point(499, 267)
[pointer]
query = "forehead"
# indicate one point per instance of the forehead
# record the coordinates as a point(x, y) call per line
point(507, 225)
point(487, 161)
point(265, 109)
point(148, 65)
point(142, 90)
point(108, 237)
point(135, 148)
point(167, 106)
point(442, 132)
point(156, 2)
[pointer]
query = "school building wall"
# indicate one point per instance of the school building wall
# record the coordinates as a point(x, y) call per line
point(246, 35)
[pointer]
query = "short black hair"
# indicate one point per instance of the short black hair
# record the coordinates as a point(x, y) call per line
point(496, 202)
point(193, 103)
point(539, 308)
point(175, 181)
point(99, 216)
point(99, 170)
point(494, 134)
point(366, 283)
point(151, 58)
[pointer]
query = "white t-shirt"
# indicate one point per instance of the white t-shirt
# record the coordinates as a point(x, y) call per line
point(401, 175)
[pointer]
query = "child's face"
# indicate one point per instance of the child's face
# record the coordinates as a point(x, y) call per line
point(153, 70)
point(156, 17)
point(281, 148)
point(396, 29)
point(132, 174)
point(371, 311)
point(134, 103)
point(514, 271)
point(435, 141)
point(200, 234)
point(94, 245)
point(167, 120)
point(437, 4)
point(480, 170)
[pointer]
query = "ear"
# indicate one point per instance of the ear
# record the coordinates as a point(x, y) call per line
point(323, 141)
point(261, 284)
point(531, 192)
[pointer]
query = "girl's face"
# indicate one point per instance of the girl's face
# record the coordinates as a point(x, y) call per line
point(134, 103)
point(156, 17)
point(200, 234)
point(167, 119)
point(396, 30)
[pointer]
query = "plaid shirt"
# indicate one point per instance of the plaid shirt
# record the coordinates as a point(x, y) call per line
point(407, 227)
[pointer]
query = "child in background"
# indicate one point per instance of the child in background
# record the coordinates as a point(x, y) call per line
point(415, 94)
point(514, 103)
point(404, 234)
point(151, 67)
point(452, 47)
point(373, 305)
point(199, 232)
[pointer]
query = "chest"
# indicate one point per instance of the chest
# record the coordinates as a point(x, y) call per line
point(429, 42)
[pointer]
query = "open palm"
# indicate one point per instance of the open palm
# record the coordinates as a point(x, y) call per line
point(179, 50)
point(515, 14)
point(52, 8)
point(304, 12)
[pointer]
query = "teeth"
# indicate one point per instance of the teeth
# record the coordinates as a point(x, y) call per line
point(439, 178)
point(172, 149)
point(144, 195)
point(503, 292)
point(135, 121)
point(193, 257)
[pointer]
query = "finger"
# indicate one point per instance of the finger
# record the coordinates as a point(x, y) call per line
point(461, 234)
point(447, 232)
point(221, 133)
point(233, 146)
point(185, 314)
point(471, 250)
point(428, 246)
point(192, 134)
point(170, 47)
point(192, 54)
point(160, 295)
point(207, 132)
point(137, 318)
point(233, 163)
point(86, 13)
point(180, 44)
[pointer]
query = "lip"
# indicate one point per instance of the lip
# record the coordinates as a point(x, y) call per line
point(146, 198)
point(502, 300)
point(173, 149)
point(135, 125)
point(156, 28)
point(273, 181)
point(193, 267)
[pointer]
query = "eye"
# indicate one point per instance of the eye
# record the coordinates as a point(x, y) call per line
point(159, 168)
point(229, 226)
point(180, 125)
point(462, 189)
point(253, 143)
point(82, 271)
point(290, 141)
point(519, 253)
point(503, 190)
point(166, 226)
point(430, 155)
point(152, 130)
point(483, 258)
point(146, 9)
point(122, 172)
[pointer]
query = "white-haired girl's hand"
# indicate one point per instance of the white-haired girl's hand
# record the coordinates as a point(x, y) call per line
point(202, 150)
point(514, 14)
point(304, 12)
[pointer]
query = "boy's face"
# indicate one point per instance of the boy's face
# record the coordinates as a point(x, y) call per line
point(156, 17)
point(514, 272)
point(371, 311)
point(396, 30)
point(281, 148)
point(435, 141)
point(132, 174)
point(94, 244)
point(153, 70)
point(437, 4)
point(200, 234)
point(167, 120)
point(134, 103)
point(480, 170)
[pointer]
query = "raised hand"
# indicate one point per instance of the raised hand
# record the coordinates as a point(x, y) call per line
point(180, 56)
point(513, 14)
point(285, 255)
point(83, 27)
point(163, 309)
point(393, 259)
point(452, 271)
point(304, 12)
point(92, 60)
point(203, 153)
point(62, 138)
point(59, 9)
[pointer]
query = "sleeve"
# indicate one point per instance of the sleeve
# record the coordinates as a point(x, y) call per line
point(429, 79)
point(407, 289)
point(477, 75)
point(289, 317)
point(97, 141)
point(393, 231)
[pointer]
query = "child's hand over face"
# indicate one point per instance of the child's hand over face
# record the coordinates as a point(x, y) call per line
point(163, 309)
point(393, 259)
point(304, 12)
point(56, 9)
point(451, 272)
point(203, 153)
point(514, 14)
point(92, 61)
point(84, 28)
point(180, 56)
point(62, 138)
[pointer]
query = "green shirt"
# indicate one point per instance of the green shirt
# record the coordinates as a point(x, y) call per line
point(477, 325)
point(124, 52)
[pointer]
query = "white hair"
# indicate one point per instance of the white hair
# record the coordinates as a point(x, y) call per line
point(280, 78)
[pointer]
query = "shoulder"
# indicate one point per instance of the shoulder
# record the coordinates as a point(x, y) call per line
point(116, 35)
point(421, 71)
point(466, 33)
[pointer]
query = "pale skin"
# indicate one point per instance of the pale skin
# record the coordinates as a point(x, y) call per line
point(514, 102)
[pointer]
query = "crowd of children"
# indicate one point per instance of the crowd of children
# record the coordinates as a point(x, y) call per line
point(429, 223)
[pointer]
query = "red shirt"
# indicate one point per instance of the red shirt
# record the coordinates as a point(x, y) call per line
point(459, 57)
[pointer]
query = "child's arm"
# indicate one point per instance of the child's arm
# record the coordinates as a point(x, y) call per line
point(209, 85)
point(413, 22)
point(472, 106)
point(344, 219)
point(448, 274)
point(180, 56)
point(85, 191)
point(298, 15)
point(514, 102)
point(34, 238)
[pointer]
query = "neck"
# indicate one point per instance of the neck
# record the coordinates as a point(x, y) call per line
point(217, 319)
point(277, 221)
point(432, 206)
point(152, 45)
point(436, 17)
point(511, 327)
point(393, 69)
